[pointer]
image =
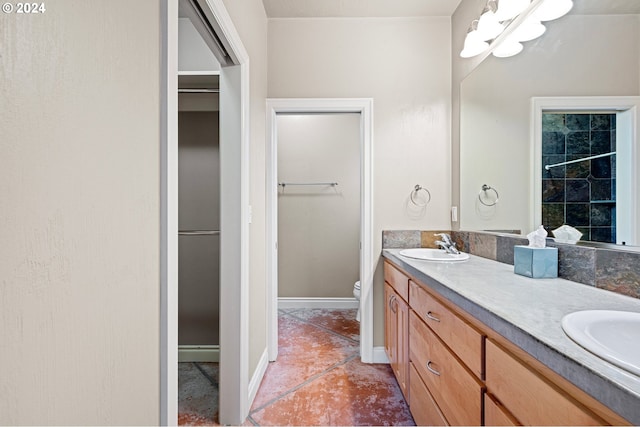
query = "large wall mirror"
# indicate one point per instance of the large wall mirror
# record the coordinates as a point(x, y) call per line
point(594, 52)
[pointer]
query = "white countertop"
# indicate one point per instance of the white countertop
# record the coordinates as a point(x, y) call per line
point(528, 312)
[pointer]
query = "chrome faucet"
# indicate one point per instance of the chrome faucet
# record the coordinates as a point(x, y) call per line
point(447, 244)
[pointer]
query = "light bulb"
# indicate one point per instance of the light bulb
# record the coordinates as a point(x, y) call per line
point(473, 45)
point(508, 48)
point(530, 29)
point(488, 26)
point(552, 9)
point(509, 9)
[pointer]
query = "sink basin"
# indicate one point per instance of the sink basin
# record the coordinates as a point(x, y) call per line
point(611, 335)
point(433, 255)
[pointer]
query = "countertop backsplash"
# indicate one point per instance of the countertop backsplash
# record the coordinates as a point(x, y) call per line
point(605, 268)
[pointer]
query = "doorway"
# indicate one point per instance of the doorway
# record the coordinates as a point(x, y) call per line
point(318, 209)
point(214, 24)
point(364, 108)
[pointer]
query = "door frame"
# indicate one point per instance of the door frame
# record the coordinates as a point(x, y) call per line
point(234, 222)
point(364, 107)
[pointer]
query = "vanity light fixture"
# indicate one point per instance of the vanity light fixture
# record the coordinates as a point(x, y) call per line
point(509, 9)
point(489, 27)
point(508, 48)
point(473, 43)
point(552, 9)
point(500, 15)
point(529, 30)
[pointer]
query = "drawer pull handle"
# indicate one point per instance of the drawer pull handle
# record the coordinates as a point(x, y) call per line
point(430, 316)
point(431, 369)
point(393, 304)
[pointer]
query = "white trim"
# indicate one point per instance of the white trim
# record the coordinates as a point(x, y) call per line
point(169, 215)
point(586, 103)
point(337, 303)
point(198, 353)
point(234, 223)
point(199, 73)
point(363, 106)
point(258, 375)
point(234, 145)
point(379, 355)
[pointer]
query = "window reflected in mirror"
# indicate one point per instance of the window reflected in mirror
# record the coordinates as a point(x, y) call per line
point(579, 173)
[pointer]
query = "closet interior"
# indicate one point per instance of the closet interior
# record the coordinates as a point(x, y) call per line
point(198, 218)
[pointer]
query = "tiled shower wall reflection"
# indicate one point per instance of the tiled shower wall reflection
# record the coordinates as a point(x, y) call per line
point(581, 194)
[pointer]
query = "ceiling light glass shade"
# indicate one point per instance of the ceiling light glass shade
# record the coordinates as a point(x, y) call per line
point(528, 30)
point(473, 45)
point(488, 26)
point(509, 9)
point(508, 48)
point(552, 9)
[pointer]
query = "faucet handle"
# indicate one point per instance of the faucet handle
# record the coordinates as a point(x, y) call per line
point(445, 237)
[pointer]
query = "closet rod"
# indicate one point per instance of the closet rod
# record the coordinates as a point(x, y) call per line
point(283, 184)
point(198, 90)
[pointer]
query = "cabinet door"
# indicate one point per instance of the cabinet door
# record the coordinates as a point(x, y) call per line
point(529, 397)
point(390, 326)
point(396, 339)
point(402, 369)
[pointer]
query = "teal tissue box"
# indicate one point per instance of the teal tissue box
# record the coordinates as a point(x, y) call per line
point(535, 262)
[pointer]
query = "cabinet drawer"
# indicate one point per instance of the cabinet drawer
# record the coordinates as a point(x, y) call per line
point(529, 397)
point(457, 392)
point(424, 409)
point(495, 414)
point(462, 338)
point(398, 281)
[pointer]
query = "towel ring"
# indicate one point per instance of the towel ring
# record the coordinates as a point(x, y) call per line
point(486, 188)
point(415, 192)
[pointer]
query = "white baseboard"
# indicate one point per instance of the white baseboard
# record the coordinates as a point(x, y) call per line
point(339, 303)
point(379, 355)
point(198, 353)
point(258, 375)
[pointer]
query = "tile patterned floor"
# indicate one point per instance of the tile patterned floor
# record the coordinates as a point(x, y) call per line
point(318, 378)
point(198, 394)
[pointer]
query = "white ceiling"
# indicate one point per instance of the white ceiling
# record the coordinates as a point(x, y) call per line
point(358, 8)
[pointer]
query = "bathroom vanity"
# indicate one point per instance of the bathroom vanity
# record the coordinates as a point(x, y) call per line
point(472, 343)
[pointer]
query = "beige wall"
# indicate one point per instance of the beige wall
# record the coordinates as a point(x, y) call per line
point(318, 226)
point(404, 65)
point(250, 20)
point(579, 55)
point(79, 208)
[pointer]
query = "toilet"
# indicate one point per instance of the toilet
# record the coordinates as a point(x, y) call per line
point(356, 294)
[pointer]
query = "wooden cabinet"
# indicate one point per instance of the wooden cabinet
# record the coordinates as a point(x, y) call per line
point(463, 339)
point(396, 340)
point(495, 414)
point(397, 280)
point(456, 391)
point(528, 397)
point(423, 406)
point(455, 370)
